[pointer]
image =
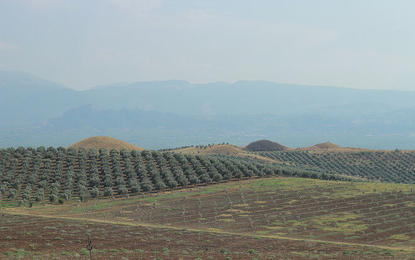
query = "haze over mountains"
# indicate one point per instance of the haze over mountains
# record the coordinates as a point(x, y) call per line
point(163, 114)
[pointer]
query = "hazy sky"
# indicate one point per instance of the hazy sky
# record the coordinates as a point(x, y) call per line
point(83, 43)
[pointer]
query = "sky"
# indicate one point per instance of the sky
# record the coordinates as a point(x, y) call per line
point(365, 44)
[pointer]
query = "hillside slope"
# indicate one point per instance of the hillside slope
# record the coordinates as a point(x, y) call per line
point(330, 147)
point(386, 166)
point(327, 145)
point(214, 149)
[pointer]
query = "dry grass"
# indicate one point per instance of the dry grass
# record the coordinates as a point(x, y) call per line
point(327, 145)
point(215, 149)
point(105, 142)
point(330, 147)
point(224, 149)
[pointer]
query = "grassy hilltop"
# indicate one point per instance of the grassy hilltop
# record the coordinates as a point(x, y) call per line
point(106, 142)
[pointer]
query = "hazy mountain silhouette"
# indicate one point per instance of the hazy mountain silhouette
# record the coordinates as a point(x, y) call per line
point(245, 109)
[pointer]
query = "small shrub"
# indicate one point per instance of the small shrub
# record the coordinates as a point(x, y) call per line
point(252, 251)
point(224, 251)
point(84, 251)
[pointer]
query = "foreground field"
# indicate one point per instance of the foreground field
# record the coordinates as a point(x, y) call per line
point(270, 218)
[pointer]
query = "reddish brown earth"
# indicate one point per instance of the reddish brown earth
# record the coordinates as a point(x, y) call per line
point(33, 237)
point(281, 218)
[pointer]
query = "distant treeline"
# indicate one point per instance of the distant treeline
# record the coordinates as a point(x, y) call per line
point(190, 146)
point(61, 174)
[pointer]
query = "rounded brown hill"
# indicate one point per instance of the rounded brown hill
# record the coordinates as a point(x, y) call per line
point(109, 143)
point(265, 145)
point(327, 145)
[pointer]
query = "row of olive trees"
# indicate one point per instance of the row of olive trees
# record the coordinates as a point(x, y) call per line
point(141, 171)
point(32, 178)
point(9, 176)
point(131, 174)
point(57, 177)
point(44, 180)
point(117, 173)
point(106, 172)
point(176, 170)
point(188, 171)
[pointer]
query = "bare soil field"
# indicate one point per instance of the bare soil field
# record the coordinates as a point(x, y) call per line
point(270, 218)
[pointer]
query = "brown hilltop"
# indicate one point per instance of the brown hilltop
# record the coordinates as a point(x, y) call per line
point(330, 147)
point(105, 142)
point(327, 145)
point(265, 145)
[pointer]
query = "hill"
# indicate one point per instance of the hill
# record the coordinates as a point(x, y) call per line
point(223, 149)
point(265, 145)
point(327, 145)
point(109, 143)
point(376, 165)
point(226, 149)
point(330, 147)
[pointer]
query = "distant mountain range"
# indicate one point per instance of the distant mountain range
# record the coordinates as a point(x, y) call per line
point(174, 113)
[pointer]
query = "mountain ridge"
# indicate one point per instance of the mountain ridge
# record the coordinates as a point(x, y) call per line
point(216, 111)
